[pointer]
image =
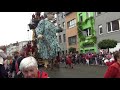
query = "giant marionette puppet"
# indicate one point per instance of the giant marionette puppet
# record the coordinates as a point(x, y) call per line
point(47, 42)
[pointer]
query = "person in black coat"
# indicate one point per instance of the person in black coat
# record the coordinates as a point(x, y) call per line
point(17, 59)
point(19, 74)
point(12, 70)
point(3, 72)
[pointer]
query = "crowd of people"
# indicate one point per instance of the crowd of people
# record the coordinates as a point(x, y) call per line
point(19, 66)
point(89, 58)
point(112, 60)
point(22, 65)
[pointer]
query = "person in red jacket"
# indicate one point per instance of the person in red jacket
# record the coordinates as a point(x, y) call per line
point(87, 59)
point(29, 68)
point(109, 62)
point(113, 70)
point(69, 61)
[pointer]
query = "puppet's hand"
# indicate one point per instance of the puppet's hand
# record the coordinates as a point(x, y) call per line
point(40, 36)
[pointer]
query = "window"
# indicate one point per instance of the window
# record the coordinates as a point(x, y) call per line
point(81, 51)
point(60, 40)
point(113, 26)
point(58, 18)
point(98, 13)
point(86, 51)
point(62, 52)
point(92, 50)
point(66, 51)
point(64, 39)
point(59, 25)
point(63, 24)
point(68, 24)
point(100, 29)
point(109, 27)
point(72, 40)
point(62, 15)
point(71, 23)
point(88, 32)
point(80, 18)
point(87, 14)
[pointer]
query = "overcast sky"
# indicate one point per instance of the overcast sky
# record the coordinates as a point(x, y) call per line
point(14, 26)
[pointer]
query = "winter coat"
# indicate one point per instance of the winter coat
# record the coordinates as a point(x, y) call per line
point(3, 72)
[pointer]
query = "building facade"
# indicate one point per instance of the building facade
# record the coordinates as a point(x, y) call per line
point(71, 30)
point(107, 26)
point(15, 47)
point(61, 36)
point(87, 35)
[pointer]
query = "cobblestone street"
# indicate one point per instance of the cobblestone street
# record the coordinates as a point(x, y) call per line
point(79, 71)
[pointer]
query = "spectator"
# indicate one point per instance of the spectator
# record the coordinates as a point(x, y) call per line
point(29, 68)
point(8, 63)
point(69, 61)
point(111, 61)
point(113, 70)
point(13, 69)
point(87, 59)
point(3, 72)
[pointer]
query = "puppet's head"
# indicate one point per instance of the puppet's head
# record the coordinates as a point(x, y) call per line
point(49, 15)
